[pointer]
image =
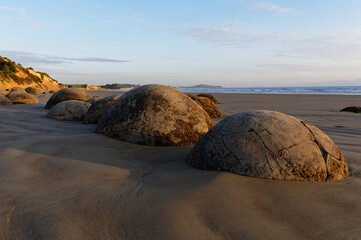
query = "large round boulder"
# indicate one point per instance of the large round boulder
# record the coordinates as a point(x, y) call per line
point(210, 96)
point(67, 94)
point(32, 90)
point(20, 97)
point(353, 109)
point(210, 107)
point(4, 101)
point(3, 92)
point(70, 110)
point(272, 145)
point(155, 115)
point(97, 109)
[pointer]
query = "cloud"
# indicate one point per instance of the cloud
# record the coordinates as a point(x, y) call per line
point(95, 59)
point(221, 36)
point(338, 45)
point(271, 8)
point(19, 11)
point(18, 14)
point(28, 58)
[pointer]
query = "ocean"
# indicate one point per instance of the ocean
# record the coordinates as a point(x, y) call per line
point(339, 90)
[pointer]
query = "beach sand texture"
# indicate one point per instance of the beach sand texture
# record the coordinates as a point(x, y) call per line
point(60, 180)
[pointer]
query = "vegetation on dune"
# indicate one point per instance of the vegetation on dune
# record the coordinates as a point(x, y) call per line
point(77, 85)
point(8, 70)
point(119, 85)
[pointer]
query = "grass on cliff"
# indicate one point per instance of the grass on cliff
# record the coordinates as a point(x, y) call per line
point(8, 71)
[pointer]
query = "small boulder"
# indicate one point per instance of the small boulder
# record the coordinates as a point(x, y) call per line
point(3, 92)
point(17, 89)
point(155, 115)
point(191, 95)
point(70, 110)
point(20, 97)
point(97, 109)
point(4, 101)
point(210, 107)
point(272, 145)
point(93, 99)
point(353, 109)
point(210, 96)
point(32, 90)
point(67, 94)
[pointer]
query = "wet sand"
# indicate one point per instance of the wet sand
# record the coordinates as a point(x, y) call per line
point(60, 180)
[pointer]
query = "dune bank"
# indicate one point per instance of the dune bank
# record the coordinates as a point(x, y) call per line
point(60, 180)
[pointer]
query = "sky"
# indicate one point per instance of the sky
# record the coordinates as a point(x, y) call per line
point(232, 43)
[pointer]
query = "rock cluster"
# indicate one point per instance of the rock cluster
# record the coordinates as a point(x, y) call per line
point(67, 94)
point(155, 115)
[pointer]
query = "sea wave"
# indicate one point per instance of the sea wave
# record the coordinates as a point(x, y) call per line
point(339, 90)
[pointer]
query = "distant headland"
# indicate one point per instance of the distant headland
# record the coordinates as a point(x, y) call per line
point(202, 86)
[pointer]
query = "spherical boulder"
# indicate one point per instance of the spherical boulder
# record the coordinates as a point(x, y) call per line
point(272, 145)
point(3, 92)
point(210, 107)
point(97, 109)
point(4, 101)
point(210, 96)
point(67, 94)
point(17, 89)
point(93, 99)
point(353, 109)
point(20, 97)
point(155, 115)
point(70, 110)
point(32, 90)
point(191, 95)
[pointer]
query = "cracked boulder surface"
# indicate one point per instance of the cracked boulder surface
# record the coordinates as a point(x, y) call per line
point(67, 94)
point(71, 110)
point(155, 115)
point(354, 109)
point(97, 109)
point(210, 107)
point(271, 145)
point(22, 97)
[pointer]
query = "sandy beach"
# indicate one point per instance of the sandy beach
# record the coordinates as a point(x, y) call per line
point(60, 180)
